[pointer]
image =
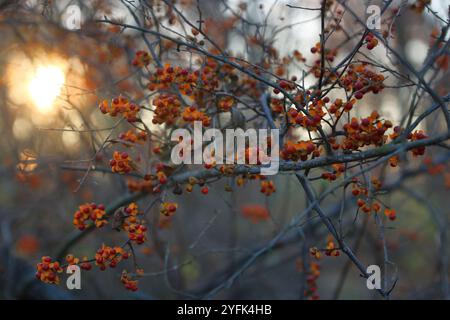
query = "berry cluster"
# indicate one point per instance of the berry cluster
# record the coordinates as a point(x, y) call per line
point(72, 260)
point(108, 256)
point(134, 226)
point(225, 103)
point(358, 189)
point(168, 208)
point(368, 131)
point(167, 109)
point(418, 135)
point(338, 106)
point(329, 54)
point(331, 249)
point(166, 77)
point(285, 85)
point(121, 162)
point(367, 208)
point(310, 122)
point(298, 56)
point(186, 81)
point(397, 131)
point(361, 79)
point(122, 106)
point(311, 280)
point(390, 213)
point(84, 264)
point(192, 114)
point(128, 282)
point(297, 150)
point(267, 187)
point(133, 137)
point(191, 182)
point(204, 190)
point(242, 180)
point(338, 169)
point(207, 78)
point(161, 175)
point(314, 267)
point(393, 161)
point(141, 59)
point(371, 41)
point(277, 105)
point(364, 202)
point(314, 252)
point(89, 211)
point(47, 270)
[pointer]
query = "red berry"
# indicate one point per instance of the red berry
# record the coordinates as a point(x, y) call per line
point(358, 85)
point(359, 95)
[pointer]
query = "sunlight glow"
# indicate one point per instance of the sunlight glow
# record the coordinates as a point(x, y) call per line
point(45, 86)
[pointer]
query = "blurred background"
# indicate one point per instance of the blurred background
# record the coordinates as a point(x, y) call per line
point(57, 64)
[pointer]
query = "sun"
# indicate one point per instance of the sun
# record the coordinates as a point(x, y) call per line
point(45, 86)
